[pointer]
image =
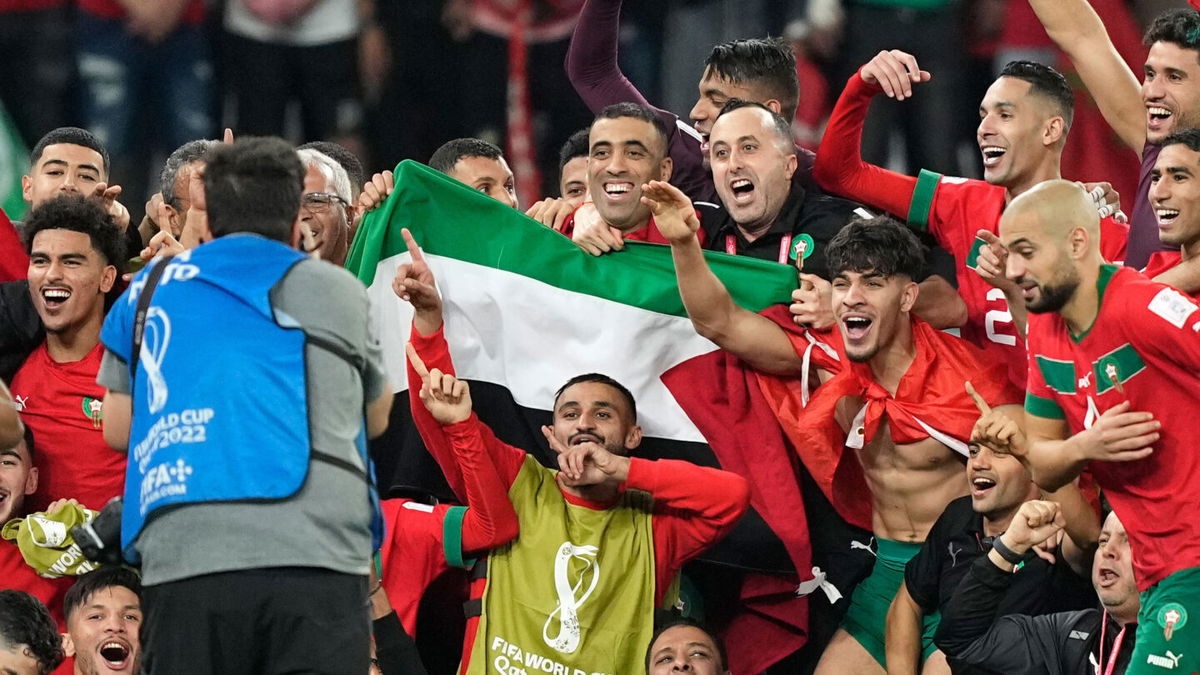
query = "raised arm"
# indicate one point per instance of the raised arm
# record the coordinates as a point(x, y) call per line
point(1077, 30)
point(751, 337)
point(839, 166)
point(591, 62)
point(490, 520)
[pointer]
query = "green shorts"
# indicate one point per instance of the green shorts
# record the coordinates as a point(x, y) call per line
point(1169, 626)
point(866, 619)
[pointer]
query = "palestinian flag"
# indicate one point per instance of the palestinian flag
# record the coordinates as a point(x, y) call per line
point(526, 309)
point(13, 160)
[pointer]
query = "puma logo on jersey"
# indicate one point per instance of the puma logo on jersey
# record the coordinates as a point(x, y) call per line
point(1170, 661)
point(1085, 381)
point(20, 402)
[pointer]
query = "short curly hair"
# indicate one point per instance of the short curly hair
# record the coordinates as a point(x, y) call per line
point(880, 244)
point(75, 213)
point(1180, 27)
point(24, 620)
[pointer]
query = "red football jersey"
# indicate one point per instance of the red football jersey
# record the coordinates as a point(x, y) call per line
point(413, 553)
point(1144, 347)
point(954, 210)
point(1161, 261)
point(61, 403)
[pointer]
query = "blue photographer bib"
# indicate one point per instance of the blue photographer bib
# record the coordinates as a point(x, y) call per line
point(220, 400)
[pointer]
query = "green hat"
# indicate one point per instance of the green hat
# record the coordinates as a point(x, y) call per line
point(44, 539)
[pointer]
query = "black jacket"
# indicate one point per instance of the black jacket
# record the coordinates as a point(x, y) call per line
point(1065, 643)
point(20, 327)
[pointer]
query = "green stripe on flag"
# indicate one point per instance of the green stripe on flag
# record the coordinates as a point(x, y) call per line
point(1058, 375)
point(1119, 365)
point(14, 159)
point(449, 219)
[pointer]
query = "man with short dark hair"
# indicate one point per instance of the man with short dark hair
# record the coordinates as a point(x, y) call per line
point(898, 403)
point(1175, 196)
point(283, 551)
point(29, 644)
point(572, 168)
point(70, 159)
point(684, 645)
point(74, 254)
point(599, 541)
point(479, 164)
point(1024, 119)
point(104, 615)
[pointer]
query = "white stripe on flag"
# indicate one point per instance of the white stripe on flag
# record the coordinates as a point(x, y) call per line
point(543, 336)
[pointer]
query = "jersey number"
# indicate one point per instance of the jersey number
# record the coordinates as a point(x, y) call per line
point(998, 316)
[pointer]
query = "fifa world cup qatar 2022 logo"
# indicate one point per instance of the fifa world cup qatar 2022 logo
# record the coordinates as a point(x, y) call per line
point(569, 597)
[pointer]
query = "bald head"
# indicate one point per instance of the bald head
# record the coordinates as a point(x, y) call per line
point(1052, 233)
point(1057, 207)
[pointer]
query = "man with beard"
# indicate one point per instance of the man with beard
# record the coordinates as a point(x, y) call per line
point(599, 542)
point(899, 403)
point(1113, 388)
point(74, 254)
point(1072, 643)
point(104, 615)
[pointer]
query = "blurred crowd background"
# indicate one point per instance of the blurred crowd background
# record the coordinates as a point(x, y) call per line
point(393, 79)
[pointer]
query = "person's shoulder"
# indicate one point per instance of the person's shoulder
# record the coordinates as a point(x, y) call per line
point(335, 279)
point(819, 207)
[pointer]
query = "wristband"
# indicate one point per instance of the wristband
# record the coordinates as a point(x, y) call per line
point(1009, 555)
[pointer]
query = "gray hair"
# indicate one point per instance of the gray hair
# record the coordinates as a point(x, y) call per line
point(337, 177)
point(192, 151)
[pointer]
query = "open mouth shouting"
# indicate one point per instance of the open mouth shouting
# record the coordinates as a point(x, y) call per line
point(1106, 577)
point(54, 297)
point(115, 654)
point(856, 326)
point(992, 154)
point(1158, 117)
point(742, 190)
point(1166, 217)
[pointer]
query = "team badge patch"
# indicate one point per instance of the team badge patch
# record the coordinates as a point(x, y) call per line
point(93, 410)
point(1170, 617)
point(803, 247)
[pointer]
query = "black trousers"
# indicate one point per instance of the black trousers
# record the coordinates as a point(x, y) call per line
point(262, 621)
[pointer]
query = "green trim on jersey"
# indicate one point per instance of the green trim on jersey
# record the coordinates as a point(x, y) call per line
point(1124, 363)
point(921, 204)
point(452, 538)
point(1106, 274)
point(1059, 375)
point(1043, 407)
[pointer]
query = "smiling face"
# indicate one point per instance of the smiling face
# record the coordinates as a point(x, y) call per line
point(1014, 133)
point(596, 412)
point(324, 214)
point(870, 309)
point(18, 480)
point(1175, 194)
point(626, 152)
point(68, 278)
point(752, 168)
point(999, 482)
point(1112, 571)
point(63, 167)
point(102, 633)
point(490, 176)
point(685, 649)
point(1170, 90)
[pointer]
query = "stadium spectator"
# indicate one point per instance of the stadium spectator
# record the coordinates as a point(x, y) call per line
point(603, 511)
point(298, 334)
point(104, 616)
point(1081, 642)
point(29, 644)
point(74, 252)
